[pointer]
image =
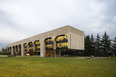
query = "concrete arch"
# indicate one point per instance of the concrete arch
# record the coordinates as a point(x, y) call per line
point(30, 44)
point(25, 47)
point(49, 46)
point(49, 43)
point(37, 45)
point(61, 42)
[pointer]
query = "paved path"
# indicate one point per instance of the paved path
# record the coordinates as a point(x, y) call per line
point(86, 57)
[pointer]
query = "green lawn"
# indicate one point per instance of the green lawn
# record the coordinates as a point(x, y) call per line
point(57, 67)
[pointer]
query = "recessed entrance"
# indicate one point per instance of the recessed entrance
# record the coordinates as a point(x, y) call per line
point(49, 47)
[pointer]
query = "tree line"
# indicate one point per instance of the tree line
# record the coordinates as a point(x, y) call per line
point(96, 46)
point(4, 51)
point(99, 46)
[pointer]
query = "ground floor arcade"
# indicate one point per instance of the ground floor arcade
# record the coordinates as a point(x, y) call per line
point(52, 47)
point(52, 43)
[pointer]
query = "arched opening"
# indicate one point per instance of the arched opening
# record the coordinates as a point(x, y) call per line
point(31, 52)
point(16, 53)
point(30, 46)
point(25, 48)
point(49, 44)
point(37, 47)
point(61, 44)
point(19, 52)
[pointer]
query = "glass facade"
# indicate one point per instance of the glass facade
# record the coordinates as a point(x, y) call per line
point(30, 46)
point(62, 42)
point(49, 44)
point(37, 45)
point(25, 47)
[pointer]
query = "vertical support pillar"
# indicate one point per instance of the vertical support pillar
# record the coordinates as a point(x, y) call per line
point(12, 51)
point(33, 46)
point(83, 45)
point(54, 46)
point(42, 48)
point(27, 47)
point(22, 50)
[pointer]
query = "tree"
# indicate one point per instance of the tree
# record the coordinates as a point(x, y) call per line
point(92, 49)
point(4, 51)
point(114, 46)
point(97, 45)
point(88, 46)
point(106, 44)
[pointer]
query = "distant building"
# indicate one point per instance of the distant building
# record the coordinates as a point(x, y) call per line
point(51, 43)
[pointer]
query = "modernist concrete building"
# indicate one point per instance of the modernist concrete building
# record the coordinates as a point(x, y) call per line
point(50, 43)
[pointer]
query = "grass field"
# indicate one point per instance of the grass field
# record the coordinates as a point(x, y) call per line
point(56, 67)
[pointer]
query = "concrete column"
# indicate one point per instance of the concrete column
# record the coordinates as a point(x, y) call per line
point(54, 46)
point(15, 50)
point(42, 48)
point(54, 42)
point(22, 50)
point(27, 47)
point(33, 46)
point(12, 51)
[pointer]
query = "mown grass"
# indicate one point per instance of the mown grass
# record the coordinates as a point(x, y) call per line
point(57, 67)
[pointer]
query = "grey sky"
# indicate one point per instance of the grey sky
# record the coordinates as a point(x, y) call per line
point(20, 19)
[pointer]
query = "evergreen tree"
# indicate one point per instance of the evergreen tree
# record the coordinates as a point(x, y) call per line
point(114, 46)
point(3, 49)
point(98, 45)
point(106, 44)
point(92, 49)
point(88, 46)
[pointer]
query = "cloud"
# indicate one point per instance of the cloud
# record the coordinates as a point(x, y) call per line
point(20, 19)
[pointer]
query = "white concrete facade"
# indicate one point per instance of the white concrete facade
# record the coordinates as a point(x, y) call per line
point(75, 40)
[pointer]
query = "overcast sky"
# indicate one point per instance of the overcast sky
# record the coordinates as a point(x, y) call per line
point(20, 19)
